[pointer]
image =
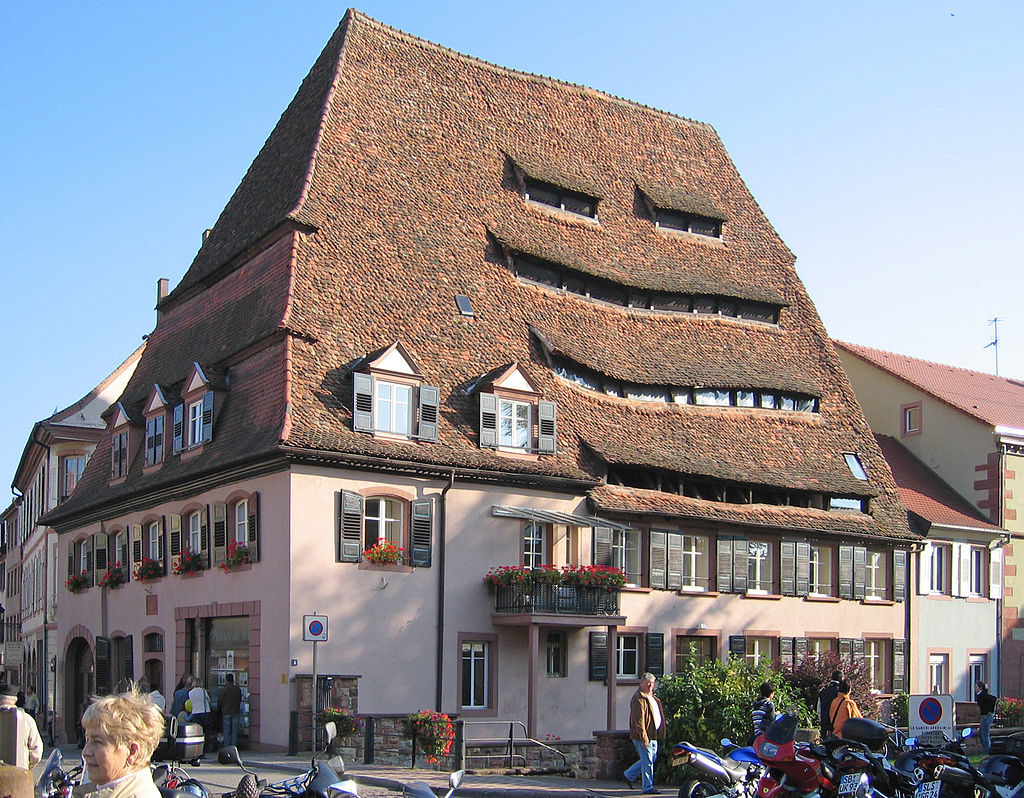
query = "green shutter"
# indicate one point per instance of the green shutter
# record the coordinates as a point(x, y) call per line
point(739, 565)
point(546, 417)
point(429, 401)
point(899, 575)
point(350, 526)
point(655, 653)
point(220, 532)
point(102, 666)
point(787, 567)
point(724, 565)
point(860, 565)
point(846, 572)
point(803, 568)
point(362, 403)
point(253, 527)
point(488, 421)
point(598, 656)
point(658, 558)
point(422, 532)
point(207, 419)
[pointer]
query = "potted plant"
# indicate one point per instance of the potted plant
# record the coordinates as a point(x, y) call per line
point(237, 554)
point(599, 577)
point(77, 582)
point(114, 577)
point(432, 733)
point(383, 552)
point(508, 575)
point(148, 569)
point(189, 562)
point(345, 722)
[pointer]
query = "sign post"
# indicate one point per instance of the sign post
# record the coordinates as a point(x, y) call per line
point(931, 718)
point(314, 629)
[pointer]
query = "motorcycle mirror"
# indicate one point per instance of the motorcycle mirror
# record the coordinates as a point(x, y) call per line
point(455, 780)
point(726, 742)
point(417, 789)
point(337, 764)
point(228, 755)
point(911, 742)
point(343, 789)
point(967, 732)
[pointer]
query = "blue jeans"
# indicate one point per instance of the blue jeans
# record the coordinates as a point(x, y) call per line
point(644, 766)
point(229, 728)
point(986, 735)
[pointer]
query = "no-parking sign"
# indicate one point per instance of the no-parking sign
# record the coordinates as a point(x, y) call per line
point(314, 628)
point(931, 718)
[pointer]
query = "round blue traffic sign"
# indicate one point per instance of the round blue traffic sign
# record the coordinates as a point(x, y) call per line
point(316, 628)
point(930, 711)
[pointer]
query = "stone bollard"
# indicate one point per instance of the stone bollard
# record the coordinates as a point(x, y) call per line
point(15, 782)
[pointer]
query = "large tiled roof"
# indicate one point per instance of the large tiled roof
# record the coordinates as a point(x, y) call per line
point(926, 495)
point(386, 184)
point(998, 401)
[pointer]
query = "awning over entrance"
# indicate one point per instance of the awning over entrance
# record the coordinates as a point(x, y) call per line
point(553, 517)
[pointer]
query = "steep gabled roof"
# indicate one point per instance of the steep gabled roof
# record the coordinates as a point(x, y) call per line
point(926, 495)
point(998, 401)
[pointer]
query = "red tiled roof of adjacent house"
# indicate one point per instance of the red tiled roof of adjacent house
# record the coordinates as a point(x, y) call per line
point(391, 183)
point(925, 494)
point(998, 401)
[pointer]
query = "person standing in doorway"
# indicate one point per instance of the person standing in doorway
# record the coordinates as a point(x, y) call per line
point(987, 707)
point(229, 703)
point(646, 728)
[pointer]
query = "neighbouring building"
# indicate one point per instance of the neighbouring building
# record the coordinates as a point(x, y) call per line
point(490, 319)
point(51, 465)
point(966, 427)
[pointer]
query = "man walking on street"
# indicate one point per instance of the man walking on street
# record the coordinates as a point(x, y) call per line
point(987, 707)
point(646, 728)
point(825, 698)
point(25, 745)
point(229, 703)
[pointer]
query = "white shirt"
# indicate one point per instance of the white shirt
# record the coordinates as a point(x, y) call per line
point(655, 711)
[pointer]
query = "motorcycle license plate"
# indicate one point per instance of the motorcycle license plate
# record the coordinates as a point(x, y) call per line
point(928, 789)
point(680, 759)
point(848, 784)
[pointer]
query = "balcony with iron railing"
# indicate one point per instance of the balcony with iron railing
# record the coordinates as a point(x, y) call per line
point(587, 591)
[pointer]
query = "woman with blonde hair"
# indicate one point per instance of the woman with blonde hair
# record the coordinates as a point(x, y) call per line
point(121, 733)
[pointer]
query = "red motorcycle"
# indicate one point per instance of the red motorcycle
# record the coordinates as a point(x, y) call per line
point(794, 770)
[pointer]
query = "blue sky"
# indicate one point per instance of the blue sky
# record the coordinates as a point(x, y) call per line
point(882, 139)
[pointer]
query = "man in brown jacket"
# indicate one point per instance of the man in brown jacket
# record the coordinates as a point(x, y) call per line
point(646, 728)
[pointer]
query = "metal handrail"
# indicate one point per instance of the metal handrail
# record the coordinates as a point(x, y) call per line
point(510, 754)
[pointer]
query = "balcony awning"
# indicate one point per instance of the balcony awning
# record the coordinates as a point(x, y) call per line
point(553, 517)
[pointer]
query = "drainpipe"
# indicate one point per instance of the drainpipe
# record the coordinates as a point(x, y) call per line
point(1001, 520)
point(442, 535)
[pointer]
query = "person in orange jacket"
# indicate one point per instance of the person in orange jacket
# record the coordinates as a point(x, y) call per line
point(843, 708)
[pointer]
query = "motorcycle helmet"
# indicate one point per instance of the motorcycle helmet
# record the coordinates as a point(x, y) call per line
point(1003, 770)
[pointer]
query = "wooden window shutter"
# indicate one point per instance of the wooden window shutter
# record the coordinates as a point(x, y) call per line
point(103, 685)
point(995, 573)
point(654, 655)
point(787, 567)
point(207, 433)
point(899, 666)
point(738, 646)
point(350, 526)
point(99, 547)
point(800, 648)
point(488, 421)
point(674, 577)
point(219, 511)
point(71, 558)
point(90, 563)
point(178, 429)
point(127, 660)
point(204, 534)
point(786, 650)
point(162, 545)
point(899, 575)
point(429, 401)
point(422, 532)
point(846, 572)
point(924, 569)
point(252, 531)
point(546, 417)
point(739, 565)
point(858, 649)
point(860, 563)
point(803, 568)
point(602, 554)
point(136, 543)
point(724, 565)
point(362, 402)
point(658, 557)
point(598, 656)
point(845, 648)
point(175, 534)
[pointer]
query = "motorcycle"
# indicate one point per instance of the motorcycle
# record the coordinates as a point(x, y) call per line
point(173, 781)
point(324, 779)
point(798, 770)
point(734, 775)
point(54, 781)
point(420, 789)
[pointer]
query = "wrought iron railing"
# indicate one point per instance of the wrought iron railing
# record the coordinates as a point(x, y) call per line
point(556, 599)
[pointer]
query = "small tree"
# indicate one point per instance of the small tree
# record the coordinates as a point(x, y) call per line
point(808, 675)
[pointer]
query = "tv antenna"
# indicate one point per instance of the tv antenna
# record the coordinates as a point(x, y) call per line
point(994, 343)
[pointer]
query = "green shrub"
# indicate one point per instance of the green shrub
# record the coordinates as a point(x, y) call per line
point(810, 673)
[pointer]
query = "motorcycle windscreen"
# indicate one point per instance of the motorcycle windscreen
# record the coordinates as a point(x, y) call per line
point(783, 730)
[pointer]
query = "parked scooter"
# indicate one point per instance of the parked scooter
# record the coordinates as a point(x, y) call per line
point(324, 779)
point(420, 789)
point(734, 774)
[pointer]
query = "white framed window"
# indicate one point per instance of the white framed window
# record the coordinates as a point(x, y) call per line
point(820, 571)
point(695, 562)
point(535, 538)
point(759, 567)
point(557, 654)
point(910, 419)
point(120, 552)
point(618, 548)
point(241, 521)
point(71, 467)
point(393, 407)
point(876, 655)
point(758, 650)
point(383, 519)
point(627, 656)
point(85, 557)
point(154, 440)
point(977, 558)
point(938, 674)
point(977, 671)
point(818, 646)
point(938, 574)
point(155, 552)
point(195, 422)
point(475, 667)
point(876, 583)
point(514, 424)
point(195, 532)
point(700, 648)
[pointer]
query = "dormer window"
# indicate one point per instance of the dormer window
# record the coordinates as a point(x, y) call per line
point(154, 412)
point(562, 198)
point(390, 400)
point(513, 418)
point(687, 222)
point(194, 417)
point(120, 443)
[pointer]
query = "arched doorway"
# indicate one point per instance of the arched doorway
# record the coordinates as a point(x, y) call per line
point(78, 687)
